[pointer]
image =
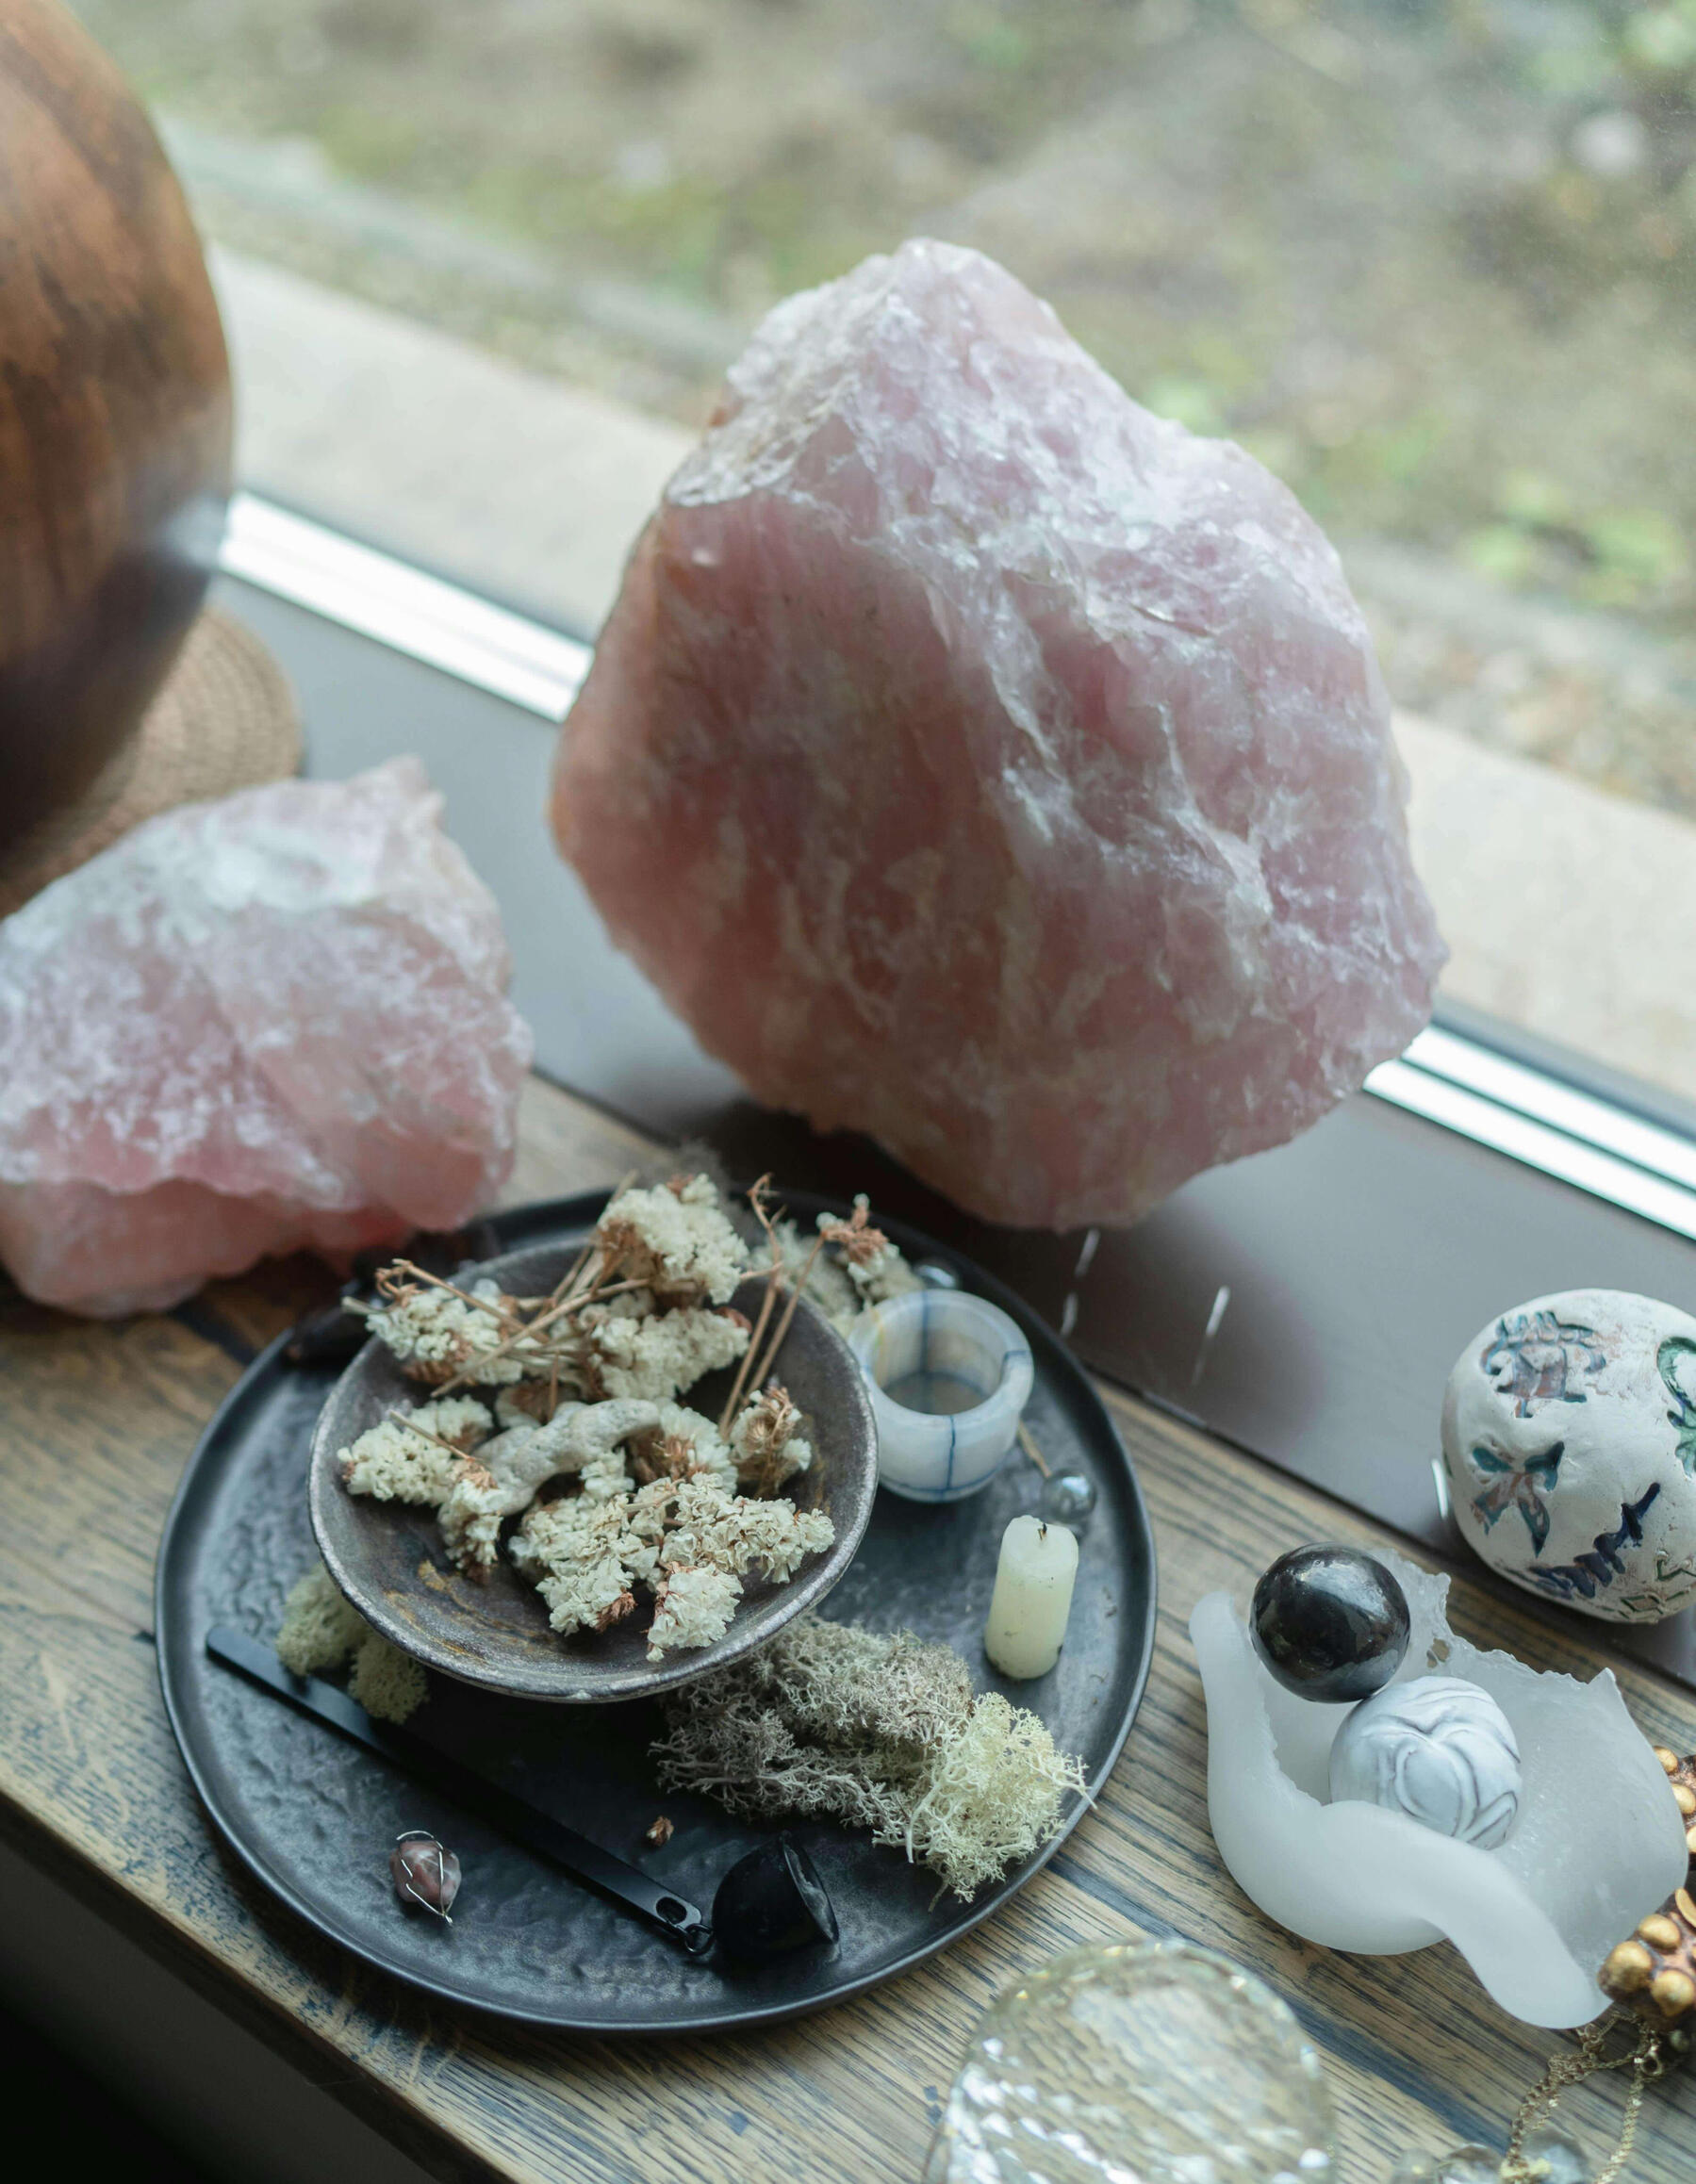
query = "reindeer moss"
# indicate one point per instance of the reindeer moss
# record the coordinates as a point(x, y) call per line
point(882, 1733)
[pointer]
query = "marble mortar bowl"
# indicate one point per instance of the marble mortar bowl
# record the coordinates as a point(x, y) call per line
point(1599, 1842)
point(496, 1634)
point(930, 1455)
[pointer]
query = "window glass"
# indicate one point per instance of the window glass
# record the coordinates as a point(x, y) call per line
point(1428, 259)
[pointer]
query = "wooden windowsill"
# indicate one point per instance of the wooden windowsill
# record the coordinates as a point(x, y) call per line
point(100, 1420)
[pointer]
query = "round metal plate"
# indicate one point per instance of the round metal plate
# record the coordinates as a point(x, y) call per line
point(313, 1818)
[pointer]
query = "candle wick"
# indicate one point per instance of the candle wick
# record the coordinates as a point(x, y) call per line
point(1042, 1530)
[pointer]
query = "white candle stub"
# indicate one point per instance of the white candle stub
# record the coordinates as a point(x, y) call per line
point(1032, 1598)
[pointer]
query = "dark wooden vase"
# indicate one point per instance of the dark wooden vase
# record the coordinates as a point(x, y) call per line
point(114, 414)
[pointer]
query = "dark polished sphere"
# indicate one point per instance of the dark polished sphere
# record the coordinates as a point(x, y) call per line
point(1331, 1623)
point(771, 1902)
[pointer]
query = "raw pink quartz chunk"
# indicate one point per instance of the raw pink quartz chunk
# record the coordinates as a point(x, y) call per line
point(272, 1022)
point(978, 761)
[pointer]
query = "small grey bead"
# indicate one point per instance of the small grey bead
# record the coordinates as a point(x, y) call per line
point(936, 1274)
point(1067, 1498)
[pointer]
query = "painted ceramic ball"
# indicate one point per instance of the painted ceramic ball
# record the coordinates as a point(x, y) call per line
point(1331, 1623)
point(1439, 1750)
point(1568, 1434)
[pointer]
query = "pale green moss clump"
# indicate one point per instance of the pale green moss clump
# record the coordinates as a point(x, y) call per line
point(320, 1632)
point(883, 1732)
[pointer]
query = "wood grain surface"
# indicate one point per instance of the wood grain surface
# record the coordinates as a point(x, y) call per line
point(99, 1421)
point(114, 413)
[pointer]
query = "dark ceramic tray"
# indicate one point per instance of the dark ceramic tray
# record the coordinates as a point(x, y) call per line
point(313, 1818)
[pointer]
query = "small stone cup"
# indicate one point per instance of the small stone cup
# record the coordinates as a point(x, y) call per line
point(949, 1376)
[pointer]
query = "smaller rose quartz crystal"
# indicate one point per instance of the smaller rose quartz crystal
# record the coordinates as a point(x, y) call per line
point(275, 1022)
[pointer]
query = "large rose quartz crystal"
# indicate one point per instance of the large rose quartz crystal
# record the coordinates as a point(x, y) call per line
point(272, 1022)
point(976, 760)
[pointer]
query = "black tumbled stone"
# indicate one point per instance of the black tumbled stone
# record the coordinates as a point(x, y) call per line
point(1331, 1623)
point(770, 1903)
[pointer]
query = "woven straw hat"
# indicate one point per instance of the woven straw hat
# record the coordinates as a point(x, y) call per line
point(224, 720)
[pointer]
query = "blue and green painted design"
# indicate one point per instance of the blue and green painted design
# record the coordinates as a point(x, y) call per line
point(1668, 1358)
point(1588, 1574)
point(1541, 1358)
point(1515, 1485)
point(1670, 1586)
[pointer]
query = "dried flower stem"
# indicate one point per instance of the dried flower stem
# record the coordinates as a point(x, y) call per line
point(1030, 1448)
point(739, 1386)
point(593, 1296)
point(756, 1199)
point(760, 1375)
point(753, 1373)
point(498, 1306)
point(401, 1418)
point(566, 1285)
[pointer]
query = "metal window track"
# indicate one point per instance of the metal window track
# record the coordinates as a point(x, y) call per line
point(1461, 1083)
point(379, 597)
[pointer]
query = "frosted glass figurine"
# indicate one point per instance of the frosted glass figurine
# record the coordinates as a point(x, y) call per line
point(1597, 1845)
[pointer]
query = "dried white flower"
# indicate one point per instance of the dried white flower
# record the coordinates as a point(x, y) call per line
point(404, 1460)
point(873, 1265)
point(658, 1357)
point(683, 1445)
point(693, 1607)
point(858, 1267)
point(503, 1478)
point(828, 1287)
point(675, 1241)
point(586, 1556)
point(603, 1478)
point(766, 1441)
point(713, 1530)
point(436, 1335)
point(526, 1402)
point(584, 1559)
point(652, 1509)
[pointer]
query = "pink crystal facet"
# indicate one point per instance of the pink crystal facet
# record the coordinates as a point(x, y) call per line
point(272, 1022)
point(976, 760)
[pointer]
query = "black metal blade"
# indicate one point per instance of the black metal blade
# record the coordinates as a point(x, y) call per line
point(550, 1838)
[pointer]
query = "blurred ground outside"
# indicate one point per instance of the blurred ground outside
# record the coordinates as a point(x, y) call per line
point(1557, 899)
point(1430, 259)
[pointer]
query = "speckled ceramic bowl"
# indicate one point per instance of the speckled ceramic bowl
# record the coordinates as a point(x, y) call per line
point(496, 1634)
